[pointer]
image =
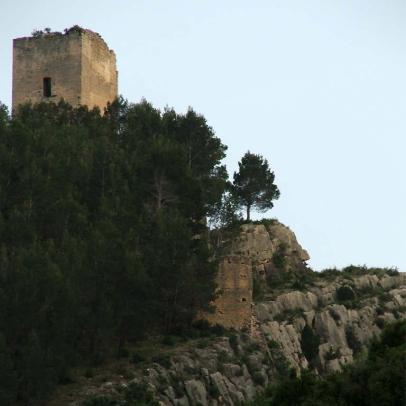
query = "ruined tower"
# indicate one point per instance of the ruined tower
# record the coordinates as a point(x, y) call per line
point(76, 66)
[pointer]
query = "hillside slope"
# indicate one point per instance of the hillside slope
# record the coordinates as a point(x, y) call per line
point(319, 327)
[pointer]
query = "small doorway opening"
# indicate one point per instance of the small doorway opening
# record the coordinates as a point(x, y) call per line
point(47, 87)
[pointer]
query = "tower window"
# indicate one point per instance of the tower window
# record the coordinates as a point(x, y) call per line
point(47, 86)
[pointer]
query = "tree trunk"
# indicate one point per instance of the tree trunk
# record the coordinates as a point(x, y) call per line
point(248, 212)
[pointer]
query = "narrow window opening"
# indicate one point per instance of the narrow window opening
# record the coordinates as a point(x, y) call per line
point(243, 299)
point(47, 87)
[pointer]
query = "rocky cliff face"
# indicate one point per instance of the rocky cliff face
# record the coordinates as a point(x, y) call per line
point(261, 243)
point(252, 255)
point(320, 323)
point(337, 328)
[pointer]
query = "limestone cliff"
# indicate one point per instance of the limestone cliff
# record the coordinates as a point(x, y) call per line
point(255, 253)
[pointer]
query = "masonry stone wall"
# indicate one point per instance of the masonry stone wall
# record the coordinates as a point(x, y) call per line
point(81, 67)
point(233, 305)
point(99, 74)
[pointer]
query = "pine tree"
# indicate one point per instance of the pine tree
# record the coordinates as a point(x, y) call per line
point(253, 184)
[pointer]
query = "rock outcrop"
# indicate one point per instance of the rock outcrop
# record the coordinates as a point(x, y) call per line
point(342, 328)
point(251, 255)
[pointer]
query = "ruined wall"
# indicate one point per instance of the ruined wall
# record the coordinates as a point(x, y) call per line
point(99, 74)
point(234, 301)
point(54, 56)
point(81, 67)
point(248, 256)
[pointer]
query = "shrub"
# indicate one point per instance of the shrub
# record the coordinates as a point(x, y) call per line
point(214, 391)
point(352, 340)
point(392, 272)
point(289, 315)
point(203, 343)
point(123, 352)
point(266, 222)
point(282, 366)
point(218, 330)
point(136, 392)
point(394, 335)
point(137, 358)
point(380, 311)
point(89, 373)
point(344, 294)
point(272, 344)
point(65, 376)
point(277, 278)
point(310, 344)
point(369, 291)
point(202, 328)
point(334, 315)
point(168, 341)
point(384, 297)
point(258, 291)
point(299, 285)
point(163, 360)
point(279, 258)
point(355, 270)
point(253, 347)
point(258, 378)
point(100, 401)
point(380, 322)
point(330, 273)
point(233, 340)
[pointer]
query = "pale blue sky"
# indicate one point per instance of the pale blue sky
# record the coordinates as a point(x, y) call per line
point(316, 86)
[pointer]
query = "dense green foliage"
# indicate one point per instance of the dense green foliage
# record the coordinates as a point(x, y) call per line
point(344, 294)
point(377, 380)
point(357, 270)
point(253, 185)
point(304, 277)
point(102, 234)
point(310, 342)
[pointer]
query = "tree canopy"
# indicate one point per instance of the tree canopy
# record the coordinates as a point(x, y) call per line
point(253, 185)
point(98, 223)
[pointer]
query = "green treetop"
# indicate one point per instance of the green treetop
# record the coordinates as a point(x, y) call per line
point(253, 184)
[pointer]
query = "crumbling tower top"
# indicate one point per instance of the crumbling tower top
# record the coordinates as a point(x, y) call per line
point(76, 66)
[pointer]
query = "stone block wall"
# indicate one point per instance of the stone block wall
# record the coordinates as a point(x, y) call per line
point(99, 74)
point(54, 56)
point(80, 65)
point(234, 295)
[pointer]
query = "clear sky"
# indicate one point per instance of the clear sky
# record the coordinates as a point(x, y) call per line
point(316, 86)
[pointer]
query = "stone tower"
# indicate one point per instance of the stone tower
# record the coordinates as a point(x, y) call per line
point(76, 66)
